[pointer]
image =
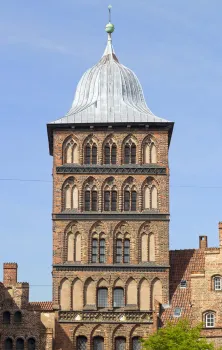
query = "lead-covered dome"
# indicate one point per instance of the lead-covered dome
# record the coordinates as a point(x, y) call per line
point(109, 92)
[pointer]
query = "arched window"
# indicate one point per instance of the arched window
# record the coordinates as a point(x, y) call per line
point(150, 152)
point(91, 198)
point(110, 198)
point(118, 297)
point(74, 247)
point(71, 195)
point(90, 293)
point(90, 153)
point(210, 320)
point(130, 153)
point(8, 344)
point(98, 250)
point(81, 343)
point(98, 343)
point(31, 344)
point(120, 343)
point(131, 292)
point(151, 247)
point(110, 151)
point(102, 297)
point(20, 344)
point(71, 152)
point(157, 292)
point(18, 317)
point(77, 295)
point(65, 290)
point(6, 317)
point(150, 197)
point(217, 283)
point(122, 250)
point(130, 198)
point(136, 344)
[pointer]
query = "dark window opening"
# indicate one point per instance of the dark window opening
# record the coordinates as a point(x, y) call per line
point(17, 317)
point(118, 297)
point(6, 317)
point(133, 200)
point(94, 250)
point(19, 344)
point(81, 343)
point(102, 298)
point(98, 343)
point(106, 200)
point(87, 200)
point(126, 258)
point(94, 200)
point(31, 344)
point(102, 251)
point(113, 154)
point(94, 154)
point(114, 201)
point(8, 344)
point(119, 248)
point(126, 200)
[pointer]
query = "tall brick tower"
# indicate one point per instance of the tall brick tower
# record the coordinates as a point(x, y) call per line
point(110, 212)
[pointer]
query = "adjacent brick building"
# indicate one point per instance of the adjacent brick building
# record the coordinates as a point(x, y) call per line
point(114, 278)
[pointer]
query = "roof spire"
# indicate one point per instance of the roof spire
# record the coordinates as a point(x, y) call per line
point(109, 29)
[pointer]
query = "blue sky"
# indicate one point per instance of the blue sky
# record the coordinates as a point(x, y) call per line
point(175, 49)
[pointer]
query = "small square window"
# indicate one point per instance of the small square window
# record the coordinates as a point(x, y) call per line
point(183, 284)
point(177, 312)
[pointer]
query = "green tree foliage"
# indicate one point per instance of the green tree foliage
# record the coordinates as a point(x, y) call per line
point(177, 336)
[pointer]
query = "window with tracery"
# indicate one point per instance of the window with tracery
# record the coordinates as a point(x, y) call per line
point(90, 153)
point(210, 320)
point(98, 250)
point(149, 151)
point(91, 198)
point(130, 152)
point(150, 197)
point(118, 297)
point(110, 198)
point(122, 250)
point(70, 195)
point(110, 152)
point(130, 198)
point(71, 152)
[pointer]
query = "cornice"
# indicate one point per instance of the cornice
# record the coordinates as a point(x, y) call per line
point(111, 169)
point(113, 216)
point(114, 268)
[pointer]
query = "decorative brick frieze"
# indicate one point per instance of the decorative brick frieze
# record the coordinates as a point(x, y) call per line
point(112, 170)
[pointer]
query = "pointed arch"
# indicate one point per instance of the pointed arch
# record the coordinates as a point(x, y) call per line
point(110, 150)
point(77, 295)
point(153, 153)
point(65, 290)
point(147, 153)
point(90, 292)
point(157, 292)
point(71, 150)
point(149, 150)
point(154, 198)
point(144, 295)
point(90, 148)
point(150, 194)
point(131, 292)
point(70, 255)
point(78, 247)
point(129, 150)
point(70, 194)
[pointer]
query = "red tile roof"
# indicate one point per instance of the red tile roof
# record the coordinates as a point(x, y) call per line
point(41, 306)
point(183, 263)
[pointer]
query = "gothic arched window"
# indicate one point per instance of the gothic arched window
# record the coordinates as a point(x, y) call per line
point(71, 152)
point(129, 152)
point(90, 153)
point(110, 152)
point(136, 344)
point(8, 344)
point(122, 250)
point(149, 152)
point(70, 195)
point(110, 198)
point(130, 198)
point(98, 250)
point(150, 197)
point(91, 198)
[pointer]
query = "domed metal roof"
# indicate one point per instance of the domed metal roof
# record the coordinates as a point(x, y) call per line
point(109, 92)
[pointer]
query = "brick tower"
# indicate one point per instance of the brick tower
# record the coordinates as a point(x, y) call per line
point(110, 212)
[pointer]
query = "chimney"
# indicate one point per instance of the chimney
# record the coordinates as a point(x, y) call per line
point(220, 232)
point(203, 242)
point(10, 273)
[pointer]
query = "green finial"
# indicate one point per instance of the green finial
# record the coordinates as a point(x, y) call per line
point(110, 27)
